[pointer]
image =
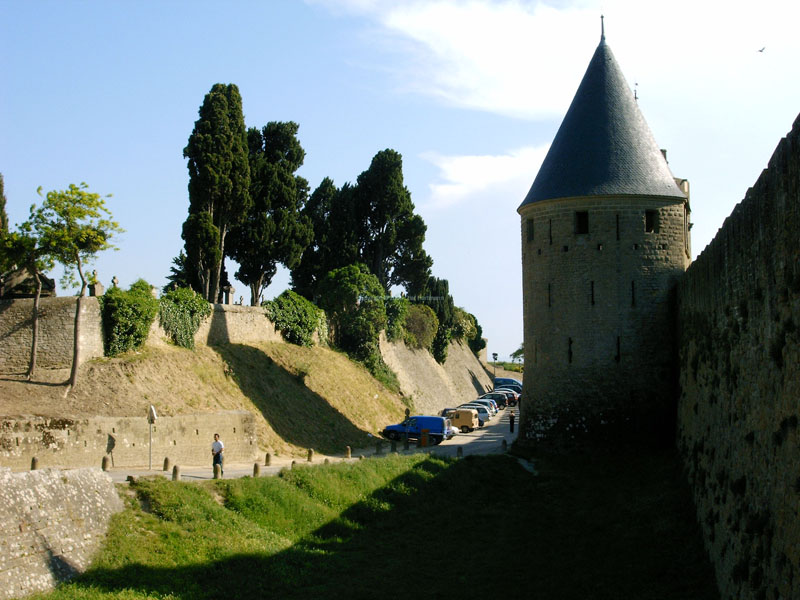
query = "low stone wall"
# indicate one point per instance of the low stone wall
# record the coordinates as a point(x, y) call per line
point(51, 524)
point(184, 439)
point(56, 327)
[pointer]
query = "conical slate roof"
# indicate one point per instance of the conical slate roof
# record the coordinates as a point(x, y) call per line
point(603, 147)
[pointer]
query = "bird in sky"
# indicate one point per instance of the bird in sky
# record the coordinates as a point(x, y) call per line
point(762, 49)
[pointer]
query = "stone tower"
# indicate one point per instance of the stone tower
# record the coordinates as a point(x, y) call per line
point(605, 236)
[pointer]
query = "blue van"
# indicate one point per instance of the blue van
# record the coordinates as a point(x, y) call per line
point(438, 429)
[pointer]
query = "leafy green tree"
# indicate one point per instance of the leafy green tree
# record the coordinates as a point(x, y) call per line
point(353, 299)
point(463, 324)
point(390, 234)
point(518, 354)
point(396, 310)
point(72, 226)
point(219, 183)
point(24, 248)
point(181, 275)
point(275, 230)
point(436, 294)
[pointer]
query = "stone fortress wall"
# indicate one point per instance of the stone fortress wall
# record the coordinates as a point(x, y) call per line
point(126, 441)
point(739, 405)
point(56, 327)
point(51, 524)
point(597, 311)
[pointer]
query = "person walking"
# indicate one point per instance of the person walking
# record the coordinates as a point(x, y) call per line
point(511, 421)
point(217, 448)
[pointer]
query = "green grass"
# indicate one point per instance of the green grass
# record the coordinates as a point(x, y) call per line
point(481, 527)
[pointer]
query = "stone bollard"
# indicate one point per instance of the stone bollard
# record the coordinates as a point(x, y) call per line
point(106, 464)
point(505, 445)
point(378, 447)
point(256, 470)
point(360, 457)
point(167, 463)
point(176, 473)
point(460, 451)
point(393, 446)
point(35, 463)
point(348, 452)
point(294, 462)
point(217, 471)
point(310, 455)
point(268, 459)
point(419, 441)
point(405, 443)
point(327, 461)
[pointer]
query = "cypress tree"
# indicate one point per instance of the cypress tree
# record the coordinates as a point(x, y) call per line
point(219, 182)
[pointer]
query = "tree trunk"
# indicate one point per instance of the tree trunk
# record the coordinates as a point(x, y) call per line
point(35, 325)
point(217, 272)
point(76, 347)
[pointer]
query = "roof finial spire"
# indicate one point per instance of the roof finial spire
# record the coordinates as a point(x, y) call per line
point(602, 30)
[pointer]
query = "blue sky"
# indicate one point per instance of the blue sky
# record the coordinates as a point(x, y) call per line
point(471, 94)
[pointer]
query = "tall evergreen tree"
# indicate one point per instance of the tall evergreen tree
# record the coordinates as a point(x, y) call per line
point(275, 230)
point(391, 235)
point(219, 183)
point(334, 243)
point(372, 222)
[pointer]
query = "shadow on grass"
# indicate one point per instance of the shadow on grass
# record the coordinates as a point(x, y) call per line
point(481, 527)
point(298, 415)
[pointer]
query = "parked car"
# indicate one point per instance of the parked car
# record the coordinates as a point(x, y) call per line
point(513, 395)
point(466, 419)
point(483, 413)
point(488, 403)
point(499, 398)
point(438, 429)
point(508, 382)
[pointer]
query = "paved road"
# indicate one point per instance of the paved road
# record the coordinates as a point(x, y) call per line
point(486, 440)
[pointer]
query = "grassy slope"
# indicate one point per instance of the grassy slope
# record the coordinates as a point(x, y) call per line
point(482, 527)
point(302, 397)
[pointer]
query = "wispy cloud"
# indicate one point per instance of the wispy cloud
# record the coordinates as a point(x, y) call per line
point(462, 178)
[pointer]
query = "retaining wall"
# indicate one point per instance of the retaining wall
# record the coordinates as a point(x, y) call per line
point(56, 328)
point(739, 407)
point(185, 439)
point(51, 523)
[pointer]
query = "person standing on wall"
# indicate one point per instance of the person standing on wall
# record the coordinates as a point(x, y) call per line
point(217, 448)
point(511, 421)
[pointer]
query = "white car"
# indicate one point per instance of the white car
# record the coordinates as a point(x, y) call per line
point(487, 403)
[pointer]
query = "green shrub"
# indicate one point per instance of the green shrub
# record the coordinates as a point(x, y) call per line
point(127, 317)
point(421, 325)
point(296, 318)
point(396, 310)
point(181, 313)
point(464, 325)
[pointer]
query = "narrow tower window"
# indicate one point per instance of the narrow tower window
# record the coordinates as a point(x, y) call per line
point(651, 221)
point(549, 294)
point(569, 349)
point(633, 293)
point(529, 227)
point(582, 222)
point(593, 293)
